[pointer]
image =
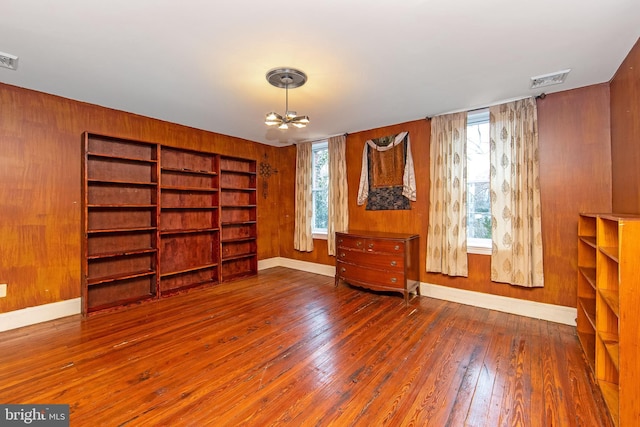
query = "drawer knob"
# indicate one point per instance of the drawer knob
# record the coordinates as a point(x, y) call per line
point(397, 247)
point(358, 243)
point(342, 255)
point(339, 240)
point(370, 245)
point(394, 280)
point(342, 270)
point(393, 263)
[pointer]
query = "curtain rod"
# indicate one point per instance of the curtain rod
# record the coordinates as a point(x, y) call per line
point(541, 96)
point(322, 139)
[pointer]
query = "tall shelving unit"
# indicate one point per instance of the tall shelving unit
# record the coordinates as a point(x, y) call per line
point(189, 226)
point(586, 304)
point(238, 218)
point(159, 220)
point(120, 221)
point(618, 315)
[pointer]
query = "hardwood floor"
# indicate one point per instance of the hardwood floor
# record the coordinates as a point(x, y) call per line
point(287, 348)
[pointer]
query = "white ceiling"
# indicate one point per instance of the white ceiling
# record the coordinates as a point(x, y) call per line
point(370, 63)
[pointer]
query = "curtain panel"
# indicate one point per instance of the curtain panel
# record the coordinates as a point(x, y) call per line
point(447, 231)
point(302, 233)
point(338, 194)
point(515, 195)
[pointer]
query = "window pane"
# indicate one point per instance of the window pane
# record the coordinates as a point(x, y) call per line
point(478, 164)
point(320, 182)
point(479, 218)
point(321, 210)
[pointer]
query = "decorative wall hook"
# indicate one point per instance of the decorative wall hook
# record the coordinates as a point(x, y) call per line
point(265, 172)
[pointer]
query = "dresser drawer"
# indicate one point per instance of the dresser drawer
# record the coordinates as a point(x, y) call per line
point(379, 261)
point(368, 277)
point(369, 244)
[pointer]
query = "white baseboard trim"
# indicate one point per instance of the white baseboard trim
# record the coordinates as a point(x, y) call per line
point(536, 310)
point(554, 313)
point(311, 267)
point(263, 264)
point(38, 314)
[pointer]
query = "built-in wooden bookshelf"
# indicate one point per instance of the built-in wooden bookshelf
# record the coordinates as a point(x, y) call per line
point(586, 304)
point(120, 218)
point(158, 220)
point(617, 315)
point(189, 226)
point(238, 217)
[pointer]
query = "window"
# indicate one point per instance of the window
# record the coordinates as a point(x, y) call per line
point(320, 189)
point(478, 193)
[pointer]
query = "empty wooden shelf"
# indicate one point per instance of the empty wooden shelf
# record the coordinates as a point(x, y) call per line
point(159, 220)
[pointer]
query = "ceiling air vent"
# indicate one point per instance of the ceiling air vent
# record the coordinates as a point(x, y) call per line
point(549, 79)
point(8, 61)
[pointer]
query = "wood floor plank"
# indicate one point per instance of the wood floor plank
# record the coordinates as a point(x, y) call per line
point(479, 337)
point(396, 352)
point(484, 406)
point(288, 348)
point(433, 405)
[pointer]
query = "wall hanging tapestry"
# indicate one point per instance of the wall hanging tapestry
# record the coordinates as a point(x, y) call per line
point(387, 178)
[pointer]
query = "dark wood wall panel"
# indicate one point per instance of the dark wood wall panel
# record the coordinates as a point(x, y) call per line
point(287, 167)
point(40, 187)
point(575, 176)
point(625, 134)
point(412, 221)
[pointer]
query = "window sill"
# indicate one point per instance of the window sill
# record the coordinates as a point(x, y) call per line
point(479, 246)
point(320, 236)
point(478, 250)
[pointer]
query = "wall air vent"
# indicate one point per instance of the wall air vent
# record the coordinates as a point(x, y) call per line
point(549, 79)
point(8, 61)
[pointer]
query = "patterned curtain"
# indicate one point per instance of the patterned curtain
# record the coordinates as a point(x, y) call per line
point(515, 194)
point(447, 231)
point(338, 194)
point(302, 235)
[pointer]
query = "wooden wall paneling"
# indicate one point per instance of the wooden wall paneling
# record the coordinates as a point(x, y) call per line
point(399, 221)
point(270, 200)
point(40, 185)
point(320, 254)
point(575, 173)
point(574, 153)
point(40, 209)
point(410, 221)
point(625, 134)
point(40, 176)
point(575, 176)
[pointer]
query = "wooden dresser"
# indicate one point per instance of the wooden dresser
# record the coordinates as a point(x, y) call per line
point(378, 261)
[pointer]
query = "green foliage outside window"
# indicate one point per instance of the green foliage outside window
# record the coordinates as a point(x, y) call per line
point(320, 188)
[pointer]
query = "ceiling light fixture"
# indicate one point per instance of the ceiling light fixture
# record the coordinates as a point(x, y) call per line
point(286, 78)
